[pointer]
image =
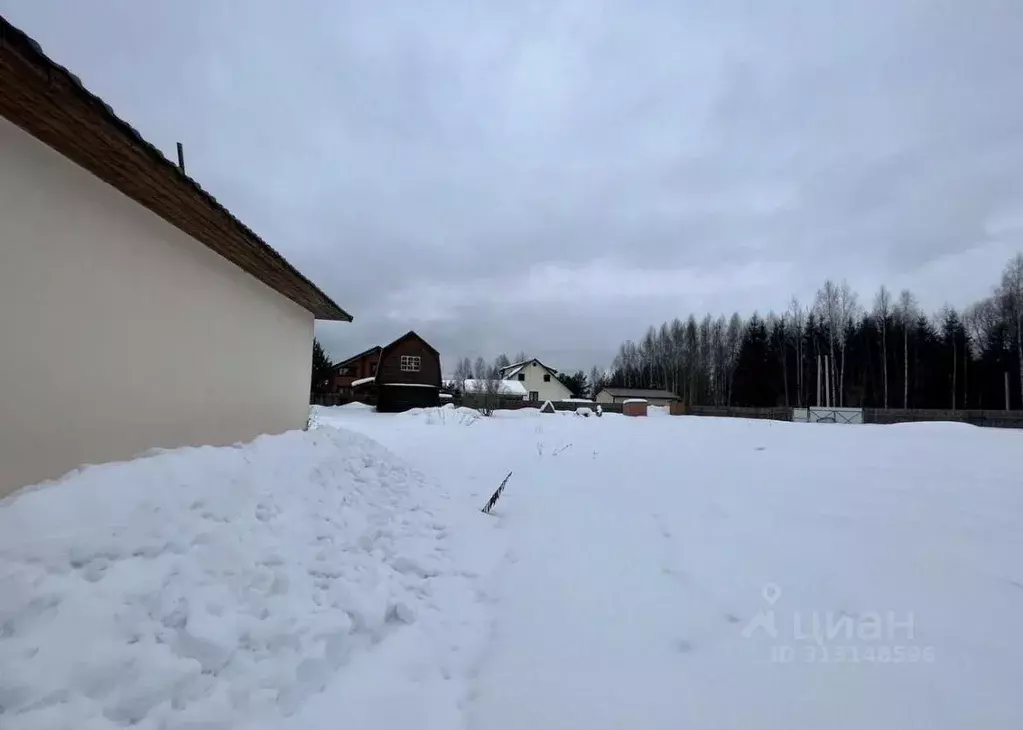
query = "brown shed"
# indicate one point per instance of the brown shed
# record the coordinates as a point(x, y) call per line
point(408, 375)
point(634, 407)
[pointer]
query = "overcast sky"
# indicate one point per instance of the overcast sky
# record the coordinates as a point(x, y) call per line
point(555, 176)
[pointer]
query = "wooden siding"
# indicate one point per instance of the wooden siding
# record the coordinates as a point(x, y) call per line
point(389, 370)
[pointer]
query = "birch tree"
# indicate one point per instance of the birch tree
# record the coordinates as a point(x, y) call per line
point(777, 328)
point(882, 316)
point(797, 325)
point(1011, 295)
point(830, 314)
point(907, 314)
point(733, 340)
point(480, 370)
point(848, 308)
point(678, 333)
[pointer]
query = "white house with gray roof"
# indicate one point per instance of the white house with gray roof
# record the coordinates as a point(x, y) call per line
point(541, 382)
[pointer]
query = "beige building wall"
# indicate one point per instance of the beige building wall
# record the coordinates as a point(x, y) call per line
point(119, 333)
point(553, 389)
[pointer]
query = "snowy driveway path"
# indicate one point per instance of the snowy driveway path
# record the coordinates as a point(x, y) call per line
point(885, 565)
point(587, 636)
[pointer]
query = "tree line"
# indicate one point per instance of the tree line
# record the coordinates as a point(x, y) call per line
point(888, 354)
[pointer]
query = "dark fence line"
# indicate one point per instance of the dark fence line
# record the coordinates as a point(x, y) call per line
point(329, 399)
point(477, 402)
point(512, 404)
point(772, 414)
point(976, 417)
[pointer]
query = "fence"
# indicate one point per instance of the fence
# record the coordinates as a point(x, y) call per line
point(329, 399)
point(512, 404)
point(772, 414)
point(1003, 419)
point(477, 402)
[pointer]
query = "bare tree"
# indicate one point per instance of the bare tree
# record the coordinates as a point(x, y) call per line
point(946, 322)
point(733, 338)
point(719, 359)
point(980, 320)
point(480, 369)
point(882, 315)
point(692, 348)
point(829, 311)
point(797, 324)
point(463, 372)
point(907, 314)
point(777, 328)
point(663, 353)
point(848, 310)
point(704, 358)
point(491, 387)
point(1011, 297)
point(677, 332)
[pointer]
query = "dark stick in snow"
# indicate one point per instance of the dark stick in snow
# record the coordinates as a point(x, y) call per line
point(496, 496)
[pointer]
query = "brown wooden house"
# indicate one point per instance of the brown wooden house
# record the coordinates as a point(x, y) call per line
point(404, 374)
point(354, 370)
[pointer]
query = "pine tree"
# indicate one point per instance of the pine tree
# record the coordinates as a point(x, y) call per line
point(322, 369)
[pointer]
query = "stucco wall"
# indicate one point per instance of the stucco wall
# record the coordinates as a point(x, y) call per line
point(119, 333)
point(552, 390)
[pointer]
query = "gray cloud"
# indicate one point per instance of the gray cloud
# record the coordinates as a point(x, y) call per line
point(555, 176)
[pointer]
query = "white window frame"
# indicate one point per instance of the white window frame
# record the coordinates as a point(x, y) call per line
point(411, 363)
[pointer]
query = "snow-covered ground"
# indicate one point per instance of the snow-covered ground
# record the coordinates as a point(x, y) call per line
point(309, 580)
point(675, 572)
point(649, 573)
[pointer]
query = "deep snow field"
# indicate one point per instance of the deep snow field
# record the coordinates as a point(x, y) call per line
point(666, 572)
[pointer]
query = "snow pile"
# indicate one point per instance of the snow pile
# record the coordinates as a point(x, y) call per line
point(353, 406)
point(226, 587)
point(511, 388)
point(445, 415)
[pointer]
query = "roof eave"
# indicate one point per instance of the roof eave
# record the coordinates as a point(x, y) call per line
point(46, 73)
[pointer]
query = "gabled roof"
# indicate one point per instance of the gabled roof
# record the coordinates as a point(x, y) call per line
point(639, 393)
point(378, 350)
point(410, 333)
point(51, 104)
point(385, 351)
point(514, 369)
point(373, 350)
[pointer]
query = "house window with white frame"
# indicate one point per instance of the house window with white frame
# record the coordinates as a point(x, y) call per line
point(410, 363)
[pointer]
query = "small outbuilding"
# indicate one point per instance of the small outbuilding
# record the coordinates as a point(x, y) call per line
point(653, 396)
point(634, 407)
